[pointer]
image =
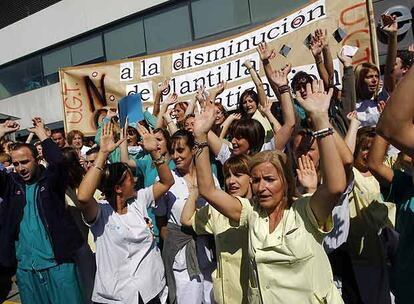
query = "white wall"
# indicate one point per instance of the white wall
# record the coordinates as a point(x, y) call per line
point(61, 21)
point(45, 102)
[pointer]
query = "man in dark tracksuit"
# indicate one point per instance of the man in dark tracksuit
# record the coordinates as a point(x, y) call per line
point(36, 231)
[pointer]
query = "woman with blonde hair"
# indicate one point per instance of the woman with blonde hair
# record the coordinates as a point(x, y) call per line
point(287, 261)
point(367, 86)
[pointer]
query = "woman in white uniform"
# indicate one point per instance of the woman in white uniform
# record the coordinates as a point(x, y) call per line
point(129, 264)
point(188, 258)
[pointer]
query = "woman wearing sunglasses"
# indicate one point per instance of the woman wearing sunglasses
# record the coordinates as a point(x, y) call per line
point(129, 265)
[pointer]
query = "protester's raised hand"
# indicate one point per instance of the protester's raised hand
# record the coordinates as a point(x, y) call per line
point(149, 142)
point(168, 115)
point(232, 117)
point(218, 89)
point(381, 106)
point(411, 48)
point(9, 126)
point(82, 161)
point(317, 100)
point(163, 86)
point(107, 143)
point(315, 46)
point(248, 64)
point(37, 125)
point(280, 77)
point(204, 121)
point(390, 25)
point(265, 52)
point(266, 108)
point(322, 36)
point(124, 131)
point(201, 94)
point(346, 60)
point(38, 128)
point(353, 118)
point(171, 99)
point(307, 175)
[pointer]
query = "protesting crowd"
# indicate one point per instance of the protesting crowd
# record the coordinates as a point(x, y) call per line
point(308, 199)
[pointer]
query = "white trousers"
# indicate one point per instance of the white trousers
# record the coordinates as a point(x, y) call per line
point(198, 290)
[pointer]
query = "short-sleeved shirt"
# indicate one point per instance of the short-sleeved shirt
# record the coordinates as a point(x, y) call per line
point(148, 173)
point(401, 192)
point(128, 260)
point(230, 279)
point(288, 265)
point(33, 247)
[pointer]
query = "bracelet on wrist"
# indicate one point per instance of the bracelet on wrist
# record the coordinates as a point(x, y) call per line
point(159, 161)
point(283, 89)
point(323, 133)
point(97, 167)
point(199, 146)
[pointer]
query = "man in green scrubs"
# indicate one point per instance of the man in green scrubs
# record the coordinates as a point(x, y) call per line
point(45, 274)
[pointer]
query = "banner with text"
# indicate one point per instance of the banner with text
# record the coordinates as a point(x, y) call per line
point(86, 89)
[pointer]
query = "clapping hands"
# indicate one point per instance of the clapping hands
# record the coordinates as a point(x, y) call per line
point(39, 128)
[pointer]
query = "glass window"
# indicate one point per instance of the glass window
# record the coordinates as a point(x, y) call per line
point(54, 60)
point(262, 10)
point(89, 50)
point(125, 41)
point(214, 16)
point(20, 77)
point(168, 29)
